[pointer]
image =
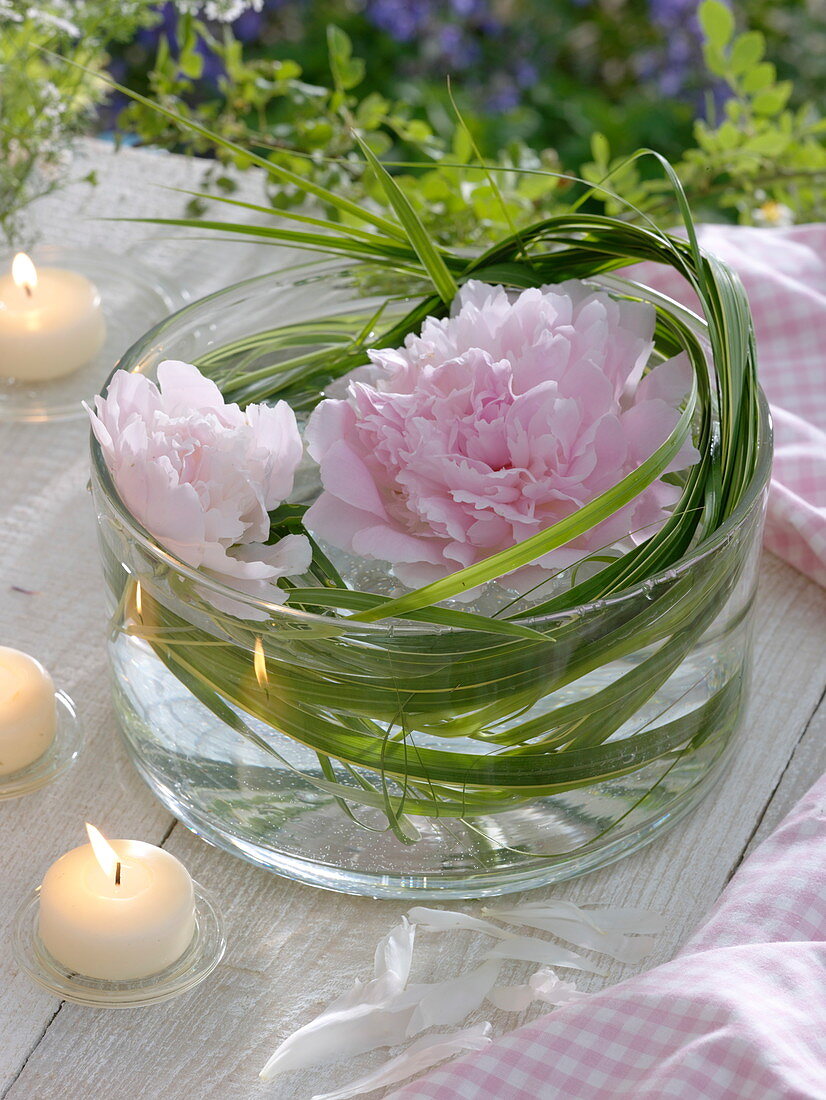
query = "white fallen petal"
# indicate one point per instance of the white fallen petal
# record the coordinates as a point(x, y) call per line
point(365, 1017)
point(511, 998)
point(353, 996)
point(446, 920)
point(394, 954)
point(551, 989)
point(544, 985)
point(419, 1056)
point(339, 1033)
point(449, 1002)
point(382, 1012)
point(623, 948)
point(637, 921)
point(531, 949)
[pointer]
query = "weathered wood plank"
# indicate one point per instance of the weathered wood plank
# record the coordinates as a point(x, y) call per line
point(804, 768)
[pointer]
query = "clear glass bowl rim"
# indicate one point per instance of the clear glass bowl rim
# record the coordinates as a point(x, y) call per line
point(315, 270)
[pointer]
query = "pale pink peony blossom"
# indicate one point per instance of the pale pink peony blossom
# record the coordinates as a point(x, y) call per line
point(494, 424)
point(201, 475)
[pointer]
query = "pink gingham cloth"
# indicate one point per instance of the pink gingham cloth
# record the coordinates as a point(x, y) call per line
point(784, 273)
point(739, 1014)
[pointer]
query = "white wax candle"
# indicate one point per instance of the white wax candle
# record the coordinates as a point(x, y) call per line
point(51, 322)
point(127, 920)
point(28, 713)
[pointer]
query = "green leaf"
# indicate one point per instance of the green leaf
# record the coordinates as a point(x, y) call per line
point(716, 61)
point(746, 51)
point(371, 111)
point(772, 100)
point(600, 151)
point(348, 71)
point(758, 78)
point(717, 23)
point(769, 144)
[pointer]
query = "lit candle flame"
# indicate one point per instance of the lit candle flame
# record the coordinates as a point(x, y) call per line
point(259, 663)
point(105, 854)
point(24, 273)
point(139, 599)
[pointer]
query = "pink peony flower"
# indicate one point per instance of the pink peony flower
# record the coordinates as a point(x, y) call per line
point(492, 425)
point(201, 475)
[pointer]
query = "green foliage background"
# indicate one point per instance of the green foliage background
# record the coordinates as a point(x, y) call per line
point(745, 131)
point(756, 155)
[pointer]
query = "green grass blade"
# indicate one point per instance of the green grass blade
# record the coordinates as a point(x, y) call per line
point(431, 258)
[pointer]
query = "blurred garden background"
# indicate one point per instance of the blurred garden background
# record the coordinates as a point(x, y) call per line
point(464, 100)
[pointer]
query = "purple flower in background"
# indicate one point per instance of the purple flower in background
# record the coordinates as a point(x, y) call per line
point(503, 95)
point(671, 13)
point(676, 65)
point(525, 73)
point(458, 51)
point(401, 19)
point(248, 27)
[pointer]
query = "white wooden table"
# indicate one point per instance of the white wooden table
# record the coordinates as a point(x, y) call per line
point(291, 948)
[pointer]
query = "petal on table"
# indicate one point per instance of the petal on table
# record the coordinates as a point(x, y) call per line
point(544, 985)
point(451, 1001)
point(618, 945)
point(603, 920)
point(447, 920)
point(419, 1056)
point(394, 953)
point(531, 949)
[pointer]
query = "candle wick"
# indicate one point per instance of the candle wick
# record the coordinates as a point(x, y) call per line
point(27, 289)
point(117, 873)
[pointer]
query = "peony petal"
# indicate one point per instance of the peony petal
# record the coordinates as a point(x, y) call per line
point(329, 421)
point(544, 985)
point(382, 1012)
point(383, 542)
point(625, 949)
point(417, 574)
point(274, 429)
point(339, 1033)
point(100, 430)
point(331, 519)
point(345, 475)
point(128, 395)
point(450, 1001)
point(605, 919)
point(394, 954)
point(421, 1055)
point(448, 920)
point(530, 949)
point(287, 557)
point(185, 389)
point(669, 381)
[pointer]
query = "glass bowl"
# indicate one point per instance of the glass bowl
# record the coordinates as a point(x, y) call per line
point(369, 758)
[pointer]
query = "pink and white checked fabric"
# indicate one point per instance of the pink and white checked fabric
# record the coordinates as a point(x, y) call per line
point(739, 1014)
point(784, 273)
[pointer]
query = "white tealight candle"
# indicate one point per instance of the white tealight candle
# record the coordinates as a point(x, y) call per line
point(50, 322)
point(118, 911)
point(28, 712)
